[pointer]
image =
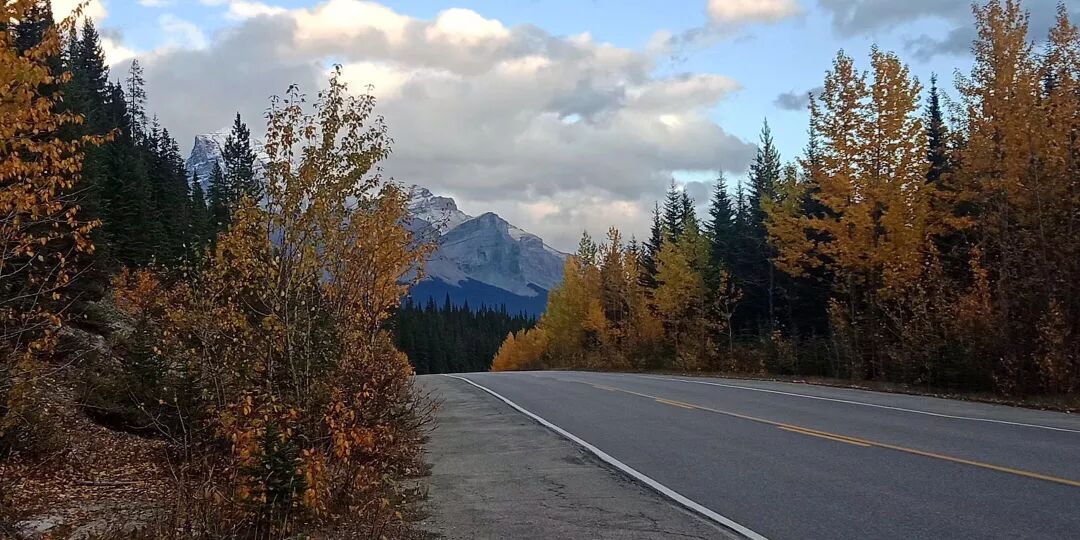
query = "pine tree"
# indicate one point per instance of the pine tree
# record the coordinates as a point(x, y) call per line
point(200, 215)
point(30, 30)
point(652, 250)
point(936, 137)
point(218, 201)
point(136, 102)
point(721, 230)
point(239, 162)
point(674, 211)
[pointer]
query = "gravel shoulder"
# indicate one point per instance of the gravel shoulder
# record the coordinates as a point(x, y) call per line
point(498, 474)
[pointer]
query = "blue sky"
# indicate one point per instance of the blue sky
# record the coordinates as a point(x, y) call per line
point(657, 89)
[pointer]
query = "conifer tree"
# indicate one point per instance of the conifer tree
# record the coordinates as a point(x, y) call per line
point(200, 215)
point(936, 137)
point(651, 249)
point(239, 164)
point(674, 211)
point(136, 102)
point(218, 201)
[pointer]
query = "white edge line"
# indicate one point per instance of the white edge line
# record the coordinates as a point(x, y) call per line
point(657, 486)
point(864, 404)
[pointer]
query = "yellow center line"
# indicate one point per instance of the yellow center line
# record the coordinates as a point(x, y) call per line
point(829, 437)
point(676, 403)
point(852, 440)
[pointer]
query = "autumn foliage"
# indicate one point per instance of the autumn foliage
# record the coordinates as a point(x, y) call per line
point(282, 392)
point(932, 246)
point(40, 230)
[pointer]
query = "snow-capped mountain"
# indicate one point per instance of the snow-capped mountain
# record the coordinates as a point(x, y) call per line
point(479, 260)
point(208, 149)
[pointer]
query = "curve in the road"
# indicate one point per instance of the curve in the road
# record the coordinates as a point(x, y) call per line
point(634, 473)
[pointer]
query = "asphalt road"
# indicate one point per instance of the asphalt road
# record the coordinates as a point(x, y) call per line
point(790, 461)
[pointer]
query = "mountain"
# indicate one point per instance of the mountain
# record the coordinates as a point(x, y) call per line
point(207, 150)
point(478, 260)
point(483, 259)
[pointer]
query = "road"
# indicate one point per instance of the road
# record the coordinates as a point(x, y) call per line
point(791, 461)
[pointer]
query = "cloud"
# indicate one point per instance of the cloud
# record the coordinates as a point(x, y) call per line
point(181, 33)
point(857, 17)
point(796, 101)
point(155, 3)
point(864, 17)
point(554, 133)
point(724, 19)
point(95, 9)
point(742, 11)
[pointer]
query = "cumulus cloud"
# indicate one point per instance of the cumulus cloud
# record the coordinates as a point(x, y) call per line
point(554, 133)
point(181, 33)
point(95, 9)
point(723, 19)
point(796, 101)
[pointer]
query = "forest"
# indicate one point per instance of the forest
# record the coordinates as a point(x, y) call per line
point(450, 339)
point(197, 364)
point(918, 240)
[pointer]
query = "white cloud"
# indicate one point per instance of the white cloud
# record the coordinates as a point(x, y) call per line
point(115, 51)
point(465, 27)
point(95, 9)
point(181, 33)
point(742, 11)
point(336, 19)
point(554, 133)
point(155, 3)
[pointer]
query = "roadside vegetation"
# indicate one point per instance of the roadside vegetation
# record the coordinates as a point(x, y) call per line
point(918, 240)
point(184, 370)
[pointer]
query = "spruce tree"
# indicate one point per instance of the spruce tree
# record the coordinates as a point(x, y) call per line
point(31, 29)
point(218, 202)
point(674, 212)
point(721, 226)
point(651, 249)
point(200, 214)
point(239, 160)
point(936, 137)
point(136, 102)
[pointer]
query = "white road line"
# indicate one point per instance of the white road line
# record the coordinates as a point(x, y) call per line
point(661, 488)
point(864, 404)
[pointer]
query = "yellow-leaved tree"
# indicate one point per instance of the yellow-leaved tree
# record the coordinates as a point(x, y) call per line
point(278, 345)
point(40, 231)
point(873, 228)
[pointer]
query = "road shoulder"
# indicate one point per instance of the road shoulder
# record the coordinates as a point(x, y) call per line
point(498, 474)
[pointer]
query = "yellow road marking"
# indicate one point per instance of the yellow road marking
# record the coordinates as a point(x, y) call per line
point(823, 436)
point(854, 440)
point(676, 403)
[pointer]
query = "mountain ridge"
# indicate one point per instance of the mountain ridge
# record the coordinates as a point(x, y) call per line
point(478, 260)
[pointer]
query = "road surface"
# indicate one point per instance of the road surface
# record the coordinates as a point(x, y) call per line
point(789, 461)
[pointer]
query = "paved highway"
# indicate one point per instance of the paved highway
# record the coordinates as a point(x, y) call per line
point(790, 461)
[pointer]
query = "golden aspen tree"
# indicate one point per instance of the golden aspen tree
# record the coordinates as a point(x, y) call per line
point(40, 229)
point(869, 177)
point(678, 299)
point(282, 338)
point(1016, 193)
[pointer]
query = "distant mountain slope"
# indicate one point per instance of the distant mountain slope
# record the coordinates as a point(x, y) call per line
point(481, 260)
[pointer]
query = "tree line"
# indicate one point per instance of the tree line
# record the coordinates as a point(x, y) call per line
point(136, 184)
point(916, 240)
point(453, 339)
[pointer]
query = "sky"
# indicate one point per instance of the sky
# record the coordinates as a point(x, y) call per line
point(559, 115)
